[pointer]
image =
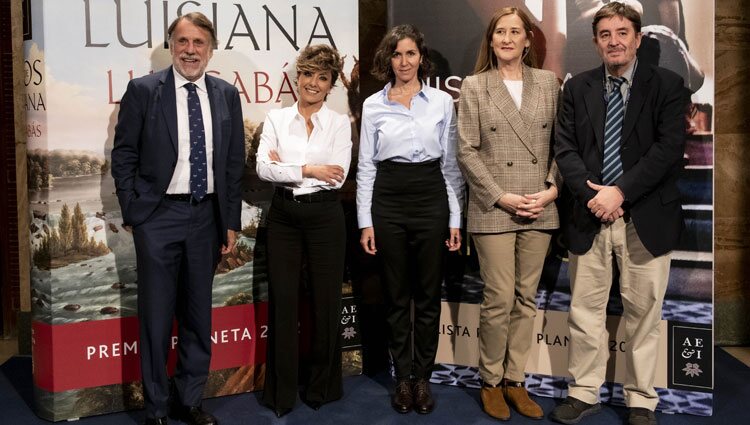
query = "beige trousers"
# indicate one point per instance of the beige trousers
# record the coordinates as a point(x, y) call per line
point(643, 282)
point(510, 265)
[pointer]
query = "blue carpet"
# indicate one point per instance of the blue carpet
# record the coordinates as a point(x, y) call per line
point(366, 402)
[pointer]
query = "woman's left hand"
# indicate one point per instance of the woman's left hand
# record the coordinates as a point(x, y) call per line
point(454, 240)
point(539, 201)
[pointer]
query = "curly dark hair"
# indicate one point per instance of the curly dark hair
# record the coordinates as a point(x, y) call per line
point(320, 57)
point(381, 66)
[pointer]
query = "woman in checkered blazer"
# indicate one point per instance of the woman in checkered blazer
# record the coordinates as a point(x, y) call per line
point(505, 120)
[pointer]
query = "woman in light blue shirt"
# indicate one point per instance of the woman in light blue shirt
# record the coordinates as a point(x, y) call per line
point(409, 197)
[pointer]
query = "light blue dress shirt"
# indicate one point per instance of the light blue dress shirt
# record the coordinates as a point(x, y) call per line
point(425, 132)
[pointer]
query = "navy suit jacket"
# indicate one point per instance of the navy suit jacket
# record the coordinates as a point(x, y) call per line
point(652, 148)
point(145, 147)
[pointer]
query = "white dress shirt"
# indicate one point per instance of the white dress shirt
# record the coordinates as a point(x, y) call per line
point(285, 132)
point(424, 132)
point(180, 182)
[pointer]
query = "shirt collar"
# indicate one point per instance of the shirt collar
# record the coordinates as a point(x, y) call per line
point(318, 118)
point(180, 81)
point(423, 92)
point(627, 75)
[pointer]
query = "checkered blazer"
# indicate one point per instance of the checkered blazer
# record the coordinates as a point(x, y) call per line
point(502, 149)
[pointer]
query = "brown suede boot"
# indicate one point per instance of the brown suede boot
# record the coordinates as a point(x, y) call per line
point(516, 395)
point(494, 403)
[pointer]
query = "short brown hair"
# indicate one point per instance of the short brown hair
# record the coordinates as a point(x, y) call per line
point(320, 57)
point(486, 58)
point(622, 10)
point(381, 63)
point(199, 20)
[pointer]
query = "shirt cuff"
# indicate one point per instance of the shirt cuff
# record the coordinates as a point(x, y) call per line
point(455, 221)
point(364, 220)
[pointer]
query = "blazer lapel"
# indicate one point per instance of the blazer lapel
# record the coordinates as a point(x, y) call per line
point(596, 107)
point(502, 99)
point(216, 99)
point(530, 100)
point(637, 98)
point(169, 105)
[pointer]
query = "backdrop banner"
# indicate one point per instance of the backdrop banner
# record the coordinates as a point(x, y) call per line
point(677, 35)
point(80, 56)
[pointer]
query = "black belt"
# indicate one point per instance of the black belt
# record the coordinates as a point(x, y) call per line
point(407, 165)
point(186, 197)
point(308, 198)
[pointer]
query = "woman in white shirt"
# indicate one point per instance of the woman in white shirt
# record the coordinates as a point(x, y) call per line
point(305, 150)
point(409, 195)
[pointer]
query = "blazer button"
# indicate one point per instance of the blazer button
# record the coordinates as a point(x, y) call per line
point(544, 125)
point(534, 161)
point(510, 163)
point(493, 128)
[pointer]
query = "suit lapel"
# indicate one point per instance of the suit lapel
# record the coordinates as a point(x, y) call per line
point(530, 99)
point(502, 99)
point(637, 98)
point(169, 105)
point(595, 105)
point(216, 100)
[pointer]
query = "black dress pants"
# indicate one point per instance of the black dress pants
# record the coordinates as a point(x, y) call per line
point(315, 231)
point(410, 219)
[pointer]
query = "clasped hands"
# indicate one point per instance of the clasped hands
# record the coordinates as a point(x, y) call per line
point(607, 204)
point(527, 206)
point(331, 174)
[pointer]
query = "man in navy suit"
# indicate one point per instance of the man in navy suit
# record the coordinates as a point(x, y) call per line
point(619, 143)
point(177, 162)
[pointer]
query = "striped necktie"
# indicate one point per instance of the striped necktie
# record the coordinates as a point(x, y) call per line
point(612, 164)
point(198, 173)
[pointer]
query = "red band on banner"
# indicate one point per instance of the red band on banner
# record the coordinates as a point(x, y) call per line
point(106, 352)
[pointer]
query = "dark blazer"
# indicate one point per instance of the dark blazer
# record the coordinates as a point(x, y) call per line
point(145, 147)
point(653, 142)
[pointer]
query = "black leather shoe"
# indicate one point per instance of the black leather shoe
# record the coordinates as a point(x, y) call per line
point(156, 421)
point(281, 411)
point(194, 415)
point(314, 405)
point(403, 398)
point(641, 416)
point(572, 410)
point(423, 401)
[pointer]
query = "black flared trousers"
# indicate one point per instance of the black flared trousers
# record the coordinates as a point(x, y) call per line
point(315, 231)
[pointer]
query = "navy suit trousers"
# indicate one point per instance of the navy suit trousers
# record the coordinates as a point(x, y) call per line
point(177, 251)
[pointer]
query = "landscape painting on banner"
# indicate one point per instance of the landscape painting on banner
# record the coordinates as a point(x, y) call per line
point(677, 35)
point(80, 56)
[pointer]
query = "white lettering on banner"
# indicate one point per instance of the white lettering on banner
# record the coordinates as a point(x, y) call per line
point(281, 20)
point(226, 336)
point(692, 349)
point(117, 349)
point(120, 349)
point(349, 315)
